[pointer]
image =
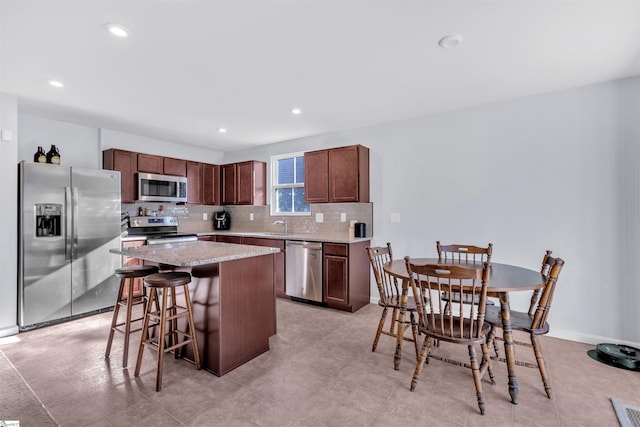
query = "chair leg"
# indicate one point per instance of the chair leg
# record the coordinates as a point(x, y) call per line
point(486, 358)
point(114, 320)
point(394, 321)
point(414, 331)
point(379, 331)
point(475, 369)
point(161, 337)
point(145, 332)
point(537, 350)
point(491, 341)
point(424, 354)
point(127, 324)
point(192, 327)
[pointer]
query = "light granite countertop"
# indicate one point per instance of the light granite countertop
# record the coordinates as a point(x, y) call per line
point(191, 254)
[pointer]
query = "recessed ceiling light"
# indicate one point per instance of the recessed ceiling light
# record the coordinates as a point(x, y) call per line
point(55, 83)
point(222, 130)
point(117, 30)
point(296, 111)
point(452, 40)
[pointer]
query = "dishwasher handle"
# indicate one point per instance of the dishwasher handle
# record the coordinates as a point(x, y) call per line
point(307, 245)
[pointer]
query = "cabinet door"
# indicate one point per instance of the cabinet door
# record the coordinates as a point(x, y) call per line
point(210, 184)
point(126, 163)
point(316, 176)
point(138, 288)
point(244, 182)
point(336, 280)
point(343, 174)
point(149, 163)
point(176, 167)
point(194, 183)
point(228, 187)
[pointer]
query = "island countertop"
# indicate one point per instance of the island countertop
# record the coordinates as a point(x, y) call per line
point(192, 254)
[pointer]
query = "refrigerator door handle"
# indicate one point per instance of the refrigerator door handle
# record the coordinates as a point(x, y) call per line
point(74, 223)
point(67, 224)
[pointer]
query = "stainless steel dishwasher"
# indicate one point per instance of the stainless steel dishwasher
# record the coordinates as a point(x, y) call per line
point(304, 270)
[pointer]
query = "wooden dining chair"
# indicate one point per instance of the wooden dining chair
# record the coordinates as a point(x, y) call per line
point(390, 291)
point(534, 322)
point(463, 254)
point(466, 325)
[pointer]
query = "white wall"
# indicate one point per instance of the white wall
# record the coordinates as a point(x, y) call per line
point(78, 145)
point(556, 171)
point(8, 193)
point(141, 144)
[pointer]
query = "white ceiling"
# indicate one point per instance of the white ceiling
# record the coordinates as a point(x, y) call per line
point(190, 67)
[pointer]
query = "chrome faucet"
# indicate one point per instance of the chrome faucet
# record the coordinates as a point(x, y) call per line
point(282, 222)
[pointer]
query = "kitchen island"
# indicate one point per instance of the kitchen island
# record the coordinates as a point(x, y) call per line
point(232, 293)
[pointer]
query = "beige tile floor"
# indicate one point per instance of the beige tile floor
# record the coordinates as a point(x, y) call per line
point(320, 371)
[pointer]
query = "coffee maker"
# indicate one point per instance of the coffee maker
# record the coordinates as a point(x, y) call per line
point(221, 220)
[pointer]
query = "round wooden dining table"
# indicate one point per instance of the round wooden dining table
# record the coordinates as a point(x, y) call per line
point(504, 279)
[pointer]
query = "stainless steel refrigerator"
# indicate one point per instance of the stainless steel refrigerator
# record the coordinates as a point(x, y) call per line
point(69, 219)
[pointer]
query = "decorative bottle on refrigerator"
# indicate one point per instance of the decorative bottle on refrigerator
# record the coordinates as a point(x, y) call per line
point(53, 156)
point(40, 156)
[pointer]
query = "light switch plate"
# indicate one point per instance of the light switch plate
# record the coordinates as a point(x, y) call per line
point(319, 217)
point(343, 217)
point(395, 217)
point(204, 216)
point(250, 216)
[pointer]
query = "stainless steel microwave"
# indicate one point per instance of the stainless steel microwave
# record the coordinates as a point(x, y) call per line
point(161, 188)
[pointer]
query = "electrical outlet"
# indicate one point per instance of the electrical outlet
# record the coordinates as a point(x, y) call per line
point(204, 216)
point(319, 217)
point(6, 135)
point(395, 217)
point(343, 217)
point(250, 216)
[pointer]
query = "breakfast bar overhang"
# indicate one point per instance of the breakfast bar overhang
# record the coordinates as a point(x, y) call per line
point(232, 292)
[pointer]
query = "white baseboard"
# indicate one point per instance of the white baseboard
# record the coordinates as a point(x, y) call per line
point(12, 330)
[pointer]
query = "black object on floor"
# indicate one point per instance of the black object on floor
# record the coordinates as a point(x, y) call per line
point(618, 355)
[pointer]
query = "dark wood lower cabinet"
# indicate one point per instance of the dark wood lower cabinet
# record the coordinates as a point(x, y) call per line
point(346, 275)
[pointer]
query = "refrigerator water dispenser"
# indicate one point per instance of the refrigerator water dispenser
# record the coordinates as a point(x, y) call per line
point(48, 219)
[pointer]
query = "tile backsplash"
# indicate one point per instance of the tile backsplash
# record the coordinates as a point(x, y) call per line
point(190, 217)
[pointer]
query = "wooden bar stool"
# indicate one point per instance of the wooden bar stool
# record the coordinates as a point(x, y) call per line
point(127, 277)
point(167, 284)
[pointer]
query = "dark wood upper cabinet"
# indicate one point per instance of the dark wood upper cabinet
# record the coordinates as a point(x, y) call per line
point(149, 163)
point(316, 176)
point(349, 174)
point(177, 167)
point(127, 163)
point(244, 183)
point(210, 184)
point(251, 177)
point(228, 184)
point(337, 175)
point(194, 183)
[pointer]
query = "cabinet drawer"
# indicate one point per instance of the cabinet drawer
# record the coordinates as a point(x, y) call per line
point(339, 249)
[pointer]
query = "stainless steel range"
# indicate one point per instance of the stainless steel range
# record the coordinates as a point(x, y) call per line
point(158, 229)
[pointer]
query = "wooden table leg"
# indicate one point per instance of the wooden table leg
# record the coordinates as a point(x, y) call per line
point(509, 348)
point(400, 331)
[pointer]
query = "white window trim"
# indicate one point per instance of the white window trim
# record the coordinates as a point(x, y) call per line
point(272, 186)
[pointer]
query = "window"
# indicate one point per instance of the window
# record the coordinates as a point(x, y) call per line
point(287, 185)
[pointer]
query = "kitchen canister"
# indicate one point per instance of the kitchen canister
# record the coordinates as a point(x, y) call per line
point(360, 229)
